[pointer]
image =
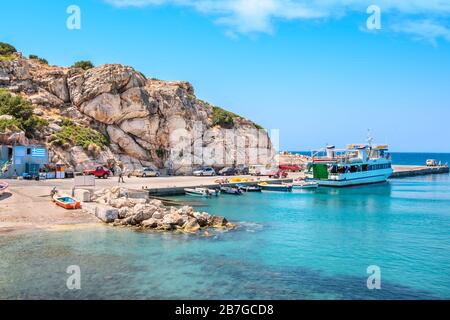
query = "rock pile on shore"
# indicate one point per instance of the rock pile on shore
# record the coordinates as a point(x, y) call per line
point(115, 207)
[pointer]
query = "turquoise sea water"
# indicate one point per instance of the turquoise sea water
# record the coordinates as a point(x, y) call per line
point(301, 245)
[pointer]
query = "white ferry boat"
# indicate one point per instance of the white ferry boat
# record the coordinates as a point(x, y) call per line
point(356, 165)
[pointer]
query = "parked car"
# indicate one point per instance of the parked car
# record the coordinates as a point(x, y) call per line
point(432, 163)
point(262, 170)
point(146, 172)
point(228, 171)
point(290, 168)
point(204, 171)
point(242, 169)
point(278, 174)
point(99, 172)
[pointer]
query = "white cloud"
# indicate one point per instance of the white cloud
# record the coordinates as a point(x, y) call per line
point(254, 16)
point(427, 30)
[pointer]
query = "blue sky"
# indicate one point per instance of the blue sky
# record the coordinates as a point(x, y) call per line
point(308, 68)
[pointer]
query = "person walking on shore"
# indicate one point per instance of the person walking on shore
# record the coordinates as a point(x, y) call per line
point(120, 174)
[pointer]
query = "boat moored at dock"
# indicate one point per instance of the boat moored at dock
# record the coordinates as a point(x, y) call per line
point(355, 165)
point(249, 188)
point(231, 190)
point(302, 184)
point(201, 192)
point(275, 187)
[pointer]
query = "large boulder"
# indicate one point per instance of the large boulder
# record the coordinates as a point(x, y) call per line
point(202, 218)
point(126, 143)
point(106, 213)
point(85, 86)
point(150, 223)
point(120, 203)
point(191, 225)
point(82, 195)
point(173, 219)
point(218, 222)
point(158, 215)
point(143, 212)
point(125, 212)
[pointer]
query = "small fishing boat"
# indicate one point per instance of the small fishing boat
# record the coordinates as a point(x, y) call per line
point(231, 190)
point(3, 187)
point(66, 202)
point(301, 184)
point(275, 187)
point(201, 192)
point(249, 188)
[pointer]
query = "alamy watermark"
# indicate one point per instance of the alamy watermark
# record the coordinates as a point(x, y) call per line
point(74, 280)
point(221, 147)
point(374, 20)
point(73, 22)
point(374, 280)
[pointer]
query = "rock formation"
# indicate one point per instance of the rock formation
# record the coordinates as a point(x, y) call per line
point(147, 122)
point(113, 206)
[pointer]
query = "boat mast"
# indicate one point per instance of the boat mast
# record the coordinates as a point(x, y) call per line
point(369, 138)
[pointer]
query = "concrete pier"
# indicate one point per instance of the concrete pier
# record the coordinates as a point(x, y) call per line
point(176, 191)
point(411, 171)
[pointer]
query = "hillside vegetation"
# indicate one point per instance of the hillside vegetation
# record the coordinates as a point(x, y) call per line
point(22, 115)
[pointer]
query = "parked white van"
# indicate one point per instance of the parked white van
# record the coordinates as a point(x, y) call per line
point(261, 170)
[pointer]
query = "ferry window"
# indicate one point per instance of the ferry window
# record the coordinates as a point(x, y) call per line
point(28, 151)
point(334, 169)
point(365, 167)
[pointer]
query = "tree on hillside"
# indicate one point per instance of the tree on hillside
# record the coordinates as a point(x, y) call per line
point(22, 112)
point(6, 49)
point(35, 57)
point(84, 64)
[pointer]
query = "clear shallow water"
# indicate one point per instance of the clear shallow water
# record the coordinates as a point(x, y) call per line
point(303, 245)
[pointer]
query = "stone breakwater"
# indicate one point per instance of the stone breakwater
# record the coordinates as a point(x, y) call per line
point(114, 207)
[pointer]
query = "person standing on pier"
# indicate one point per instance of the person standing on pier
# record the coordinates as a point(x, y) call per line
point(120, 173)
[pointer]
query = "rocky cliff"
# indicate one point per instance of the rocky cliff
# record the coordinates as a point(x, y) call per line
point(131, 119)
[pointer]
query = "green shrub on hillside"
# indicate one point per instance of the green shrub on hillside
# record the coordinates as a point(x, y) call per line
point(35, 57)
point(12, 125)
point(22, 111)
point(7, 58)
point(223, 118)
point(74, 134)
point(85, 65)
point(6, 49)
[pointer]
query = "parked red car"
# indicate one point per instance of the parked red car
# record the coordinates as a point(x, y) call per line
point(279, 174)
point(99, 172)
point(291, 168)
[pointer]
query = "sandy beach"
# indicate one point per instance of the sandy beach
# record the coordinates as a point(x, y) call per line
point(28, 208)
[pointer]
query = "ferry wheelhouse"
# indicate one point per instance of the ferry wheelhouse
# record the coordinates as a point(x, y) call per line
point(356, 165)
